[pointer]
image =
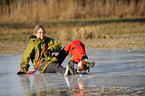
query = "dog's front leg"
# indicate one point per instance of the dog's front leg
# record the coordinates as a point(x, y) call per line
point(66, 71)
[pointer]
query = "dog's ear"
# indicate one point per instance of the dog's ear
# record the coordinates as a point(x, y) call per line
point(85, 67)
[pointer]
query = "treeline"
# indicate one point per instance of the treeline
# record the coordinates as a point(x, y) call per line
point(70, 9)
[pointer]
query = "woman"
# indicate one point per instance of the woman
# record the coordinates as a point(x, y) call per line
point(39, 51)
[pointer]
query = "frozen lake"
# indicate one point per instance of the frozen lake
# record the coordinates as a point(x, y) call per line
point(117, 72)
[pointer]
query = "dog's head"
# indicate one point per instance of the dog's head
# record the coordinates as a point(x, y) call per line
point(82, 65)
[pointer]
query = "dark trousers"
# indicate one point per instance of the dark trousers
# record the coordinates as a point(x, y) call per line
point(56, 66)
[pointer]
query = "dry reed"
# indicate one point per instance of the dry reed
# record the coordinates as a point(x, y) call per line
point(13, 40)
point(49, 10)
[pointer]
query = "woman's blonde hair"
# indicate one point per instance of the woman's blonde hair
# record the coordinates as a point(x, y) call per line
point(37, 27)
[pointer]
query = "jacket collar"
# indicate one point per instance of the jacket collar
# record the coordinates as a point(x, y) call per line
point(38, 40)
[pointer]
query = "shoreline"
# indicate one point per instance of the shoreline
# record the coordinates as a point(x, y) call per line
point(125, 49)
point(120, 34)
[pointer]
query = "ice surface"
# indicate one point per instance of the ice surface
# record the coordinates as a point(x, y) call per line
point(117, 72)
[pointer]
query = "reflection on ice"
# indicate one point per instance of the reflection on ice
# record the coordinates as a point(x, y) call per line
point(56, 84)
point(50, 84)
point(117, 72)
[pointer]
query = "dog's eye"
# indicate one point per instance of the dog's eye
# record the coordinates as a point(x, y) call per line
point(79, 70)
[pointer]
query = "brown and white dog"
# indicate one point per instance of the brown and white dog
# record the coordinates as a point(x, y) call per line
point(78, 55)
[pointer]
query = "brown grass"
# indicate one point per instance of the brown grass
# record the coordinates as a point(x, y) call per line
point(14, 37)
point(54, 10)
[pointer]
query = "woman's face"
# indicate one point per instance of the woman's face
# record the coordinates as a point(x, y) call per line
point(40, 34)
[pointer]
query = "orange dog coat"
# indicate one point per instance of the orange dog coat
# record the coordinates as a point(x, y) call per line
point(76, 50)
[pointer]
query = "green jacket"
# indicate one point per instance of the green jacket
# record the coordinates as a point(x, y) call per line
point(33, 52)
